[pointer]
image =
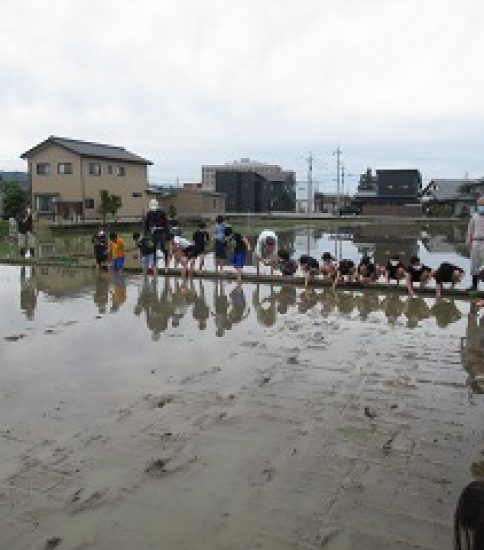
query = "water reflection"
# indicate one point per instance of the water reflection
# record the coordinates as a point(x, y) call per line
point(472, 349)
point(28, 292)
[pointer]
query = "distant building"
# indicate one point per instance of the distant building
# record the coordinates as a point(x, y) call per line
point(190, 202)
point(244, 191)
point(327, 203)
point(451, 197)
point(67, 175)
point(390, 192)
point(281, 185)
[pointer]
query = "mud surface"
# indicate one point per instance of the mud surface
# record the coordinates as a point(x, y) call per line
point(173, 416)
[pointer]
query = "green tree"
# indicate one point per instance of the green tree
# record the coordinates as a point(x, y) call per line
point(15, 198)
point(110, 204)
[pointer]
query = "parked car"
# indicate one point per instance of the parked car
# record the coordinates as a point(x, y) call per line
point(350, 211)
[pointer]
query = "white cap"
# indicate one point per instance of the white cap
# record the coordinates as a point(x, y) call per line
point(153, 204)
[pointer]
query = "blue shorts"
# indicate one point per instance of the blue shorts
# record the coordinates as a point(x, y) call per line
point(118, 263)
point(220, 250)
point(239, 260)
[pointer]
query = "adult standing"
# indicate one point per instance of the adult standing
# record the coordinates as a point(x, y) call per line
point(25, 235)
point(266, 249)
point(475, 242)
point(156, 227)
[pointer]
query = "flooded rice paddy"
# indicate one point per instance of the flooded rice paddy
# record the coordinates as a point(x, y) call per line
point(177, 415)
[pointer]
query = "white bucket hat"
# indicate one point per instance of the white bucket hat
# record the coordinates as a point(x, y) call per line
point(153, 204)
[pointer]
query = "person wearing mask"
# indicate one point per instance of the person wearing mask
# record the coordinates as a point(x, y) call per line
point(266, 249)
point(475, 242)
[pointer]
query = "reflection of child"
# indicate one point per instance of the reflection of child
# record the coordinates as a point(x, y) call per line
point(116, 252)
point(100, 242)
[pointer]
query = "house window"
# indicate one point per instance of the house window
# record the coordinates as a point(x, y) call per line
point(110, 169)
point(120, 171)
point(88, 203)
point(137, 195)
point(64, 168)
point(43, 168)
point(94, 169)
point(45, 203)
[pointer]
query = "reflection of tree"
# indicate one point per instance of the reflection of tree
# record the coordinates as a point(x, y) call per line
point(367, 303)
point(328, 301)
point(307, 300)
point(346, 302)
point(472, 350)
point(285, 298)
point(28, 292)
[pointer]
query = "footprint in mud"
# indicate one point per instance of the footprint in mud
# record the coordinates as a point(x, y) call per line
point(292, 360)
point(14, 337)
point(163, 402)
point(52, 543)
point(264, 381)
point(158, 467)
point(93, 501)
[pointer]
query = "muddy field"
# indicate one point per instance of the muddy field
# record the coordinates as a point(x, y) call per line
point(209, 416)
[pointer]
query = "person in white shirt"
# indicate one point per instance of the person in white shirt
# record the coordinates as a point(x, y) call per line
point(266, 249)
point(184, 252)
point(475, 242)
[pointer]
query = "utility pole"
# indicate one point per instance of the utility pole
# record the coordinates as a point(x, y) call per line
point(309, 160)
point(338, 175)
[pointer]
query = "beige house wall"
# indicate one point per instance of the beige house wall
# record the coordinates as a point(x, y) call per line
point(67, 186)
point(81, 185)
point(188, 202)
point(135, 181)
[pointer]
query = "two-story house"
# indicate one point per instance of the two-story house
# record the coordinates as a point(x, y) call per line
point(67, 175)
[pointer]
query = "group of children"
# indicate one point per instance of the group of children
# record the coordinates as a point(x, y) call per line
point(163, 237)
point(369, 272)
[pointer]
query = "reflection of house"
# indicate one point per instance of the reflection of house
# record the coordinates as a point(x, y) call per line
point(386, 241)
point(67, 176)
point(63, 282)
point(190, 201)
point(450, 197)
point(390, 193)
point(328, 202)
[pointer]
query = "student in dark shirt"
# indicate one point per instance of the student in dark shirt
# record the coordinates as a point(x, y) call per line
point(417, 272)
point(367, 270)
point(394, 270)
point(329, 266)
point(200, 240)
point(100, 242)
point(310, 268)
point(286, 265)
point(447, 273)
point(241, 248)
point(146, 248)
point(346, 268)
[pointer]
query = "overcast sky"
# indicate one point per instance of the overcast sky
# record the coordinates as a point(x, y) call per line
point(396, 83)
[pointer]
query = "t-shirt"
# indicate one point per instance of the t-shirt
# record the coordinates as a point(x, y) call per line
point(116, 248)
point(100, 242)
point(24, 221)
point(445, 272)
point(219, 232)
point(308, 262)
point(346, 266)
point(392, 267)
point(240, 246)
point(260, 246)
point(146, 246)
point(181, 242)
point(155, 219)
point(416, 271)
point(367, 265)
point(200, 238)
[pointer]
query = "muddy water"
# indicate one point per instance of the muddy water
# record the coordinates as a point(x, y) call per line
point(208, 416)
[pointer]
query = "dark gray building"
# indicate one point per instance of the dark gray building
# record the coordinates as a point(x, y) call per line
point(245, 191)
